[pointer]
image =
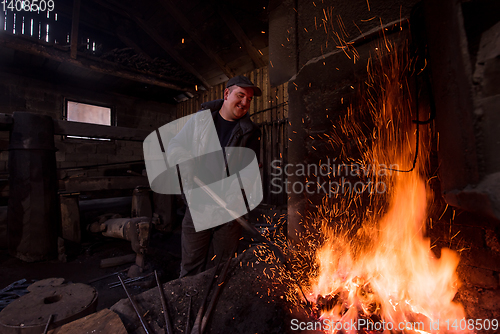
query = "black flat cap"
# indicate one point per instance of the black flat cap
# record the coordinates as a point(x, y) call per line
point(242, 81)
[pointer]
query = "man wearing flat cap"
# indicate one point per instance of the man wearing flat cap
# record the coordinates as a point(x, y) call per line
point(234, 129)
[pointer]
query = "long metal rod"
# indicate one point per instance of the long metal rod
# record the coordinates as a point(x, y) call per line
point(250, 228)
point(168, 325)
point(48, 324)
point(211, 305)
point(106, 276)
point(128, 280)
point(197, 323)
point(143, 323)
point(246, 225)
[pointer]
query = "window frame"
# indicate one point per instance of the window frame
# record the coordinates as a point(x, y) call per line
point(113, 119)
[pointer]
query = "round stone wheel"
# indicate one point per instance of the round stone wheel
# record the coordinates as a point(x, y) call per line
point(30, 313)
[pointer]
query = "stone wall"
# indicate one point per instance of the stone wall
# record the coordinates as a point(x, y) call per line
point(464, 52)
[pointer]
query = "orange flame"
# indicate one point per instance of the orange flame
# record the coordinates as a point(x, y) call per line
point(398, 278)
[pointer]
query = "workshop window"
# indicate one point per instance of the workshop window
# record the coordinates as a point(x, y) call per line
point(88, 113)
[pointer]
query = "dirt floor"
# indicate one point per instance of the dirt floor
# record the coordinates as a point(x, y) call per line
point(249, 301)
point(83, 265)
point(83, 260)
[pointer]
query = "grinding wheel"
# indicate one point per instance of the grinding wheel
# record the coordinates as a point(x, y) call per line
point(30, 313)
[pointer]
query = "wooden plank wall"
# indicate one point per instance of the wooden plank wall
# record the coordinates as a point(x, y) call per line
point(270, 113)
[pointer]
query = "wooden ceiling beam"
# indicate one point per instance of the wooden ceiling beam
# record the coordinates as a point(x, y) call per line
point(162, 42)
point(238, 32)
point(187, 26)
point(27, 45)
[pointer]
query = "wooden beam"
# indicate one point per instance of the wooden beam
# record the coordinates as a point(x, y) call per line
point(238, 32)
point(70, 128)
point(104, 321)
point(27, 45)
point(186, 25)
point(74, 28)
point(155, 35)
point(101, 183)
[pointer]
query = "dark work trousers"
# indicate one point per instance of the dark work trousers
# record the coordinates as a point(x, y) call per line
point(196, 245)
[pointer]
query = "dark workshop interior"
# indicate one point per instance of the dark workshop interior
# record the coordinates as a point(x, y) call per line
point(379, 161)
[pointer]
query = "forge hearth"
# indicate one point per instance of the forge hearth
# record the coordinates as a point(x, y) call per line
point(454, 52)
point(249, 301)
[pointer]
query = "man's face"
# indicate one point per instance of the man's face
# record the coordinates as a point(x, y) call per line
point(237, 102)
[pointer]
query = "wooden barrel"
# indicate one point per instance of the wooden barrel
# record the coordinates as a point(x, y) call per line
point(33, 209)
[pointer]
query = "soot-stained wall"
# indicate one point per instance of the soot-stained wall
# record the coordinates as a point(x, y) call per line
point(301, 30)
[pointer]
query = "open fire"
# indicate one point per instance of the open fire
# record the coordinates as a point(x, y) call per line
point(365, 260)
point(383, 276)
point(396, 283)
